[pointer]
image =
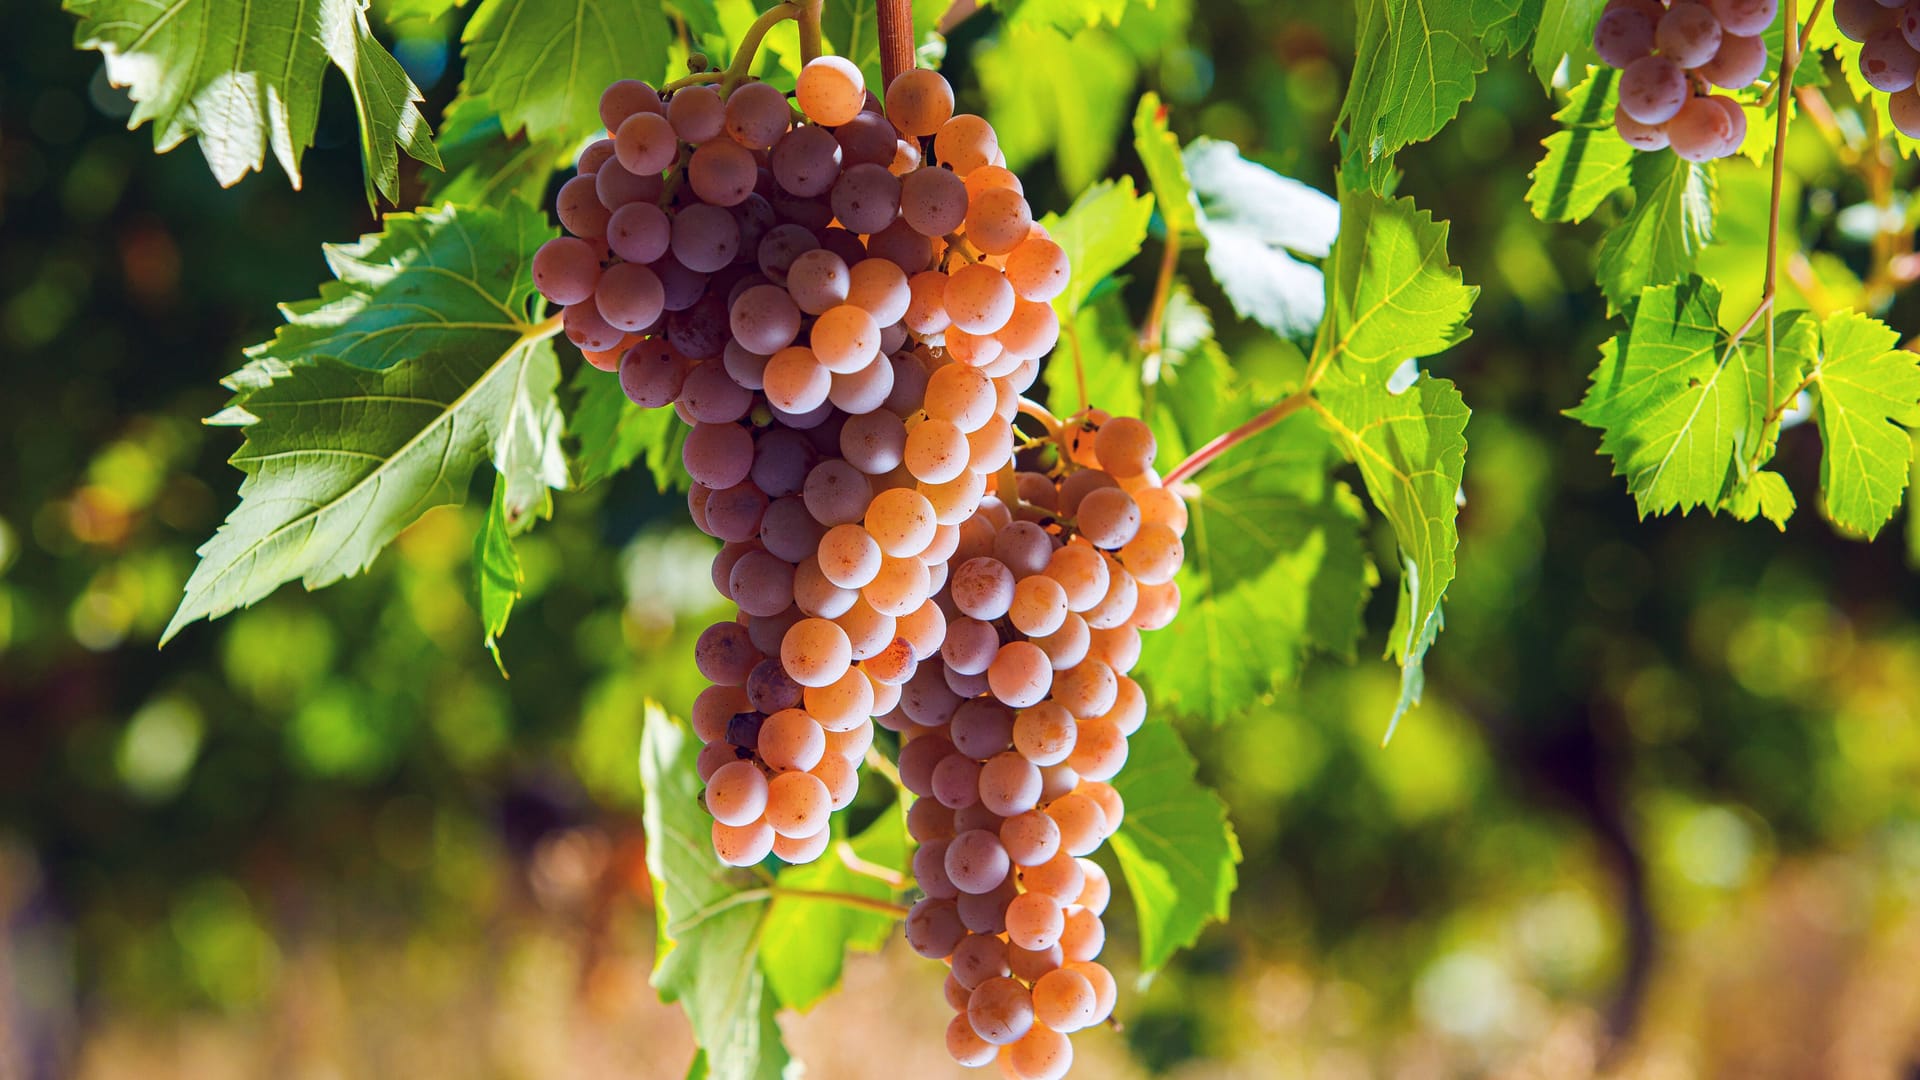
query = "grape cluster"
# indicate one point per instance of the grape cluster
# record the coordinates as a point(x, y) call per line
point(845, 308)
point(1889, 37)
point(1010, 740)
point(1670, 55)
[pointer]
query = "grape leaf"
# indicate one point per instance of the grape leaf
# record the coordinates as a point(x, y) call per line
point(1868, 402)
point(484, 167)
point(1176, 847)
point(399, 11)
point(806, 941)
point(710, 927)
point(496, 571)
point(1067, 15)
point(1679, 416)
point(1098, 351)
point(613, 432)
point(1255, 222)
point(1763, 494)
point(1393, 294)
point(1913, 508)
point(1101, 232)
point(244, 76)
point(1657, 241)
point(1411, 448)
point(544, 65)
point(1416, 62)
point(1586, 160)
point(378, 398)
point(1565, 34)
point(1166, 170)
point(1035, 112)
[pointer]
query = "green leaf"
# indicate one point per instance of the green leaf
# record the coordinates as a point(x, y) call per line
point(1586, 161)
point(1255, 222)
point(1869, 400)
point(1565, 34)
point(1416, 63)
point(1066, 15)
point(710, 927)
point(1657, 241)
point(1277, 569)
point(484, 167)
point(1763, 494)
point(852, 30)
point(613, 432)
point(1166, 170)
point(1411, 448)
point(496, 571)
point(1101, 232)
point(243, 76)
point(377, 399)
point(1680, 417)
point(544, 65)
point(1176, 847)
point(1098, 348)
point(1036, 112)
point(1393, 295)
point(403, 11)
point(806, 941)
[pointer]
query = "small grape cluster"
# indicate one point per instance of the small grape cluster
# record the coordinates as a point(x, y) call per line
point(1670, 55)
point(845, 308)
point(1010, 741)
point(1889, 37)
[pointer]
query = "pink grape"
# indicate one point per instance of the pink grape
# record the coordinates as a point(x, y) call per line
point(1652, 89)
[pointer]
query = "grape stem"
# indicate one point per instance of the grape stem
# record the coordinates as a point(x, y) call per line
point(1030, 407)
point(1225, 441)
point(1153, 332)
point(1789, 60)
point(809, 19)
point(852, 861)
point(742, 67)
point(542, 330)
point(844, 899)
point(895, 18)
point(1806, 35)
point(693, 80)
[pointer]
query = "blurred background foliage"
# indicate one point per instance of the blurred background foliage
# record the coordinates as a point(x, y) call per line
point(1660, 815)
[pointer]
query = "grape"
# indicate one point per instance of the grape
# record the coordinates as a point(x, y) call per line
point(1029, 333)
point(760, 583)
point(645, 144)
point(1652, 89)
point(769, 690)
point(874, 441)
point(615, 187)
point(923, 628)
point(980, 957)
point(955, 785)
point(724, 654)
point(650, 375)
point(998, 221)
point(566, 270)
point(1009, 784)
point(879, 287)
point(845, 339)
point(818, 280)
point(586, 329)
point(1020, 674)
point(1041, 1054)
point(1108, 517)
point(1737, 118)
point(1888, 62)
point(736, 793)
point(743, 845)
point(964, 1046)
point(815, 652)
point(629, 297)
point(1623, 35)
point(1125, 446)
point(790, 740)
point(928, 821)
point(580, 209)
point(803, 849)
point(697, 114)
point(639, 232)
point(806, 162)
point(682, 288)
point(1064, 1000)
point(1701, 130)
point(899, 588)
point(978, 299)
point(830, 90)
point(982, 588)
point(797, 803)
point(1105, 990)
point(1000, 1011)
point(867, 139)
point(919, 102)
point(1059, 878)
point(756, 115)
point(1688, 34)
point(595, 155)
point(933, 926)
point(970, 646)
point(722, 173)
point(933, 202)
point(1747, 18)
point(1904, 108)
point(717, 455)
point(795, 381)
point(1153, 555)
point(1636, 134)
point(901, 520)
point(965, 143)
point(625, 98)
point(1861, 19)
point(1082, 824)
point(865, 198)
point(1034, 921)
point(705, 238)
point(936, 451)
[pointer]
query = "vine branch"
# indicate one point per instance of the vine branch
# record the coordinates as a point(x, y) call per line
point(896, 38)
point(809, 19)
point(1225, 441)
point(742, 67)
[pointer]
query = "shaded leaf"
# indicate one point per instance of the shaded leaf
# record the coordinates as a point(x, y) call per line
point(1587, 160)
point(1565, 34)
point(243, 77)
point(1657, 241)
point(485, 166)
point(613, 432)
point(1176, 847)
point(496, 571)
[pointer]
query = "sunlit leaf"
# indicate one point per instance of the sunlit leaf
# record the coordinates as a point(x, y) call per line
point(1867, 405)
point(1036, 112)
point(544, 65)
point(1256, 222)
point(1101, 232)
point(1393, 295)
point(1565, 35)
point(806, 941)
point(1166, 169)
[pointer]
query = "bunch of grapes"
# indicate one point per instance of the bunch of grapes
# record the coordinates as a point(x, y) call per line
point(1010, 740)
point(845, 309)
point(1889, 37)
point(1670, 56)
